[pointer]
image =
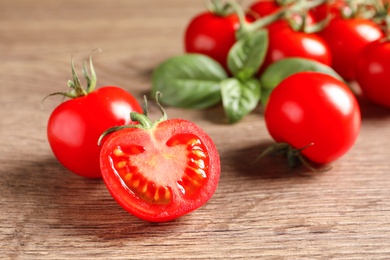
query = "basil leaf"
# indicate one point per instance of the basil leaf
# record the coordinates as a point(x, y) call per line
point(247, 54)
point(189, 81)
point(239, 98)
point(281, 69)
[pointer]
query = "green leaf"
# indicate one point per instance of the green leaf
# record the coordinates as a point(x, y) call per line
point(239, 98)
point(281, 69)
point(247, 54)
point(189, 81)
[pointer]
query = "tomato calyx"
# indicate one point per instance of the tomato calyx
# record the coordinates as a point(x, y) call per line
point(294, 155)
point(140, 121)
point(77, 89)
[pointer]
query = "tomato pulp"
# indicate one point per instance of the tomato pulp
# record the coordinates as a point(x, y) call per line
point(161, 173)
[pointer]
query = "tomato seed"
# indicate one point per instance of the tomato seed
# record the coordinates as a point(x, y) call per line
point(121, 164)
point(128, 176)
point(198, 154)
point(118, 152)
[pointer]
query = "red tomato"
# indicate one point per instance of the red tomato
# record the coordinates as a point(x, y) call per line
point(212, 35)
point(264, 8)
point(346, 38)
point(289, 43)
point(329, 8)
point(373, 72)
point(160, 171)
point(75, 126)
point(315, 110)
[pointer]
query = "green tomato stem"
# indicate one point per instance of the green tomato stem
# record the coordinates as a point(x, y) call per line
point(142, 119)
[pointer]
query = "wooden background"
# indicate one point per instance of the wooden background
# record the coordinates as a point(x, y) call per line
point(260, 210)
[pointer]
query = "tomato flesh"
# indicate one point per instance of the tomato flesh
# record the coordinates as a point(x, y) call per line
point(161, 173)
point(185, 153)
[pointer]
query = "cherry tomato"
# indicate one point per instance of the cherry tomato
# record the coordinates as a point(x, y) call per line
point(289, 43)
point(330, 9)
point(160, 171)
point(373, 72)
point(264, 8)
point(212, 35)
point(74, 126)
point(346, 38)
point(316, 111)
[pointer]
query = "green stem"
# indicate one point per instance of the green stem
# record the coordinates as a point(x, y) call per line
point(142, 119)
point(91, 79)
point(76, 84)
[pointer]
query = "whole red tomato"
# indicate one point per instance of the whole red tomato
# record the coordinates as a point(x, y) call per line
point(289, 43)
point(373, 72)
point(346, 38)
point(262, 8)
point(212, 34)
point(314, 111)
point(160, 171)
point(74, 127)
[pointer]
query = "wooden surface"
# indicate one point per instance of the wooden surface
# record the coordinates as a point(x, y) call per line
point(260, 210)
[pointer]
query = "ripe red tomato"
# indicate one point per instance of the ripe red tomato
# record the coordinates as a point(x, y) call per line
point(264, 8)
point(289, 43)
point(373, 72)
point(75, 126)
point(160, 171)
point(212, 35)
point(316, 111)
point(331, 8)
point(346, 38)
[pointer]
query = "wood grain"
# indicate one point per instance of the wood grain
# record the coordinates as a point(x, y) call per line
point(261, 210)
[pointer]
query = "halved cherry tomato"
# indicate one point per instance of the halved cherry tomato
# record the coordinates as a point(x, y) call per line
point(160, 171)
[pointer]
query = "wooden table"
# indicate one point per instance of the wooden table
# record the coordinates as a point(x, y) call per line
point(260, 210)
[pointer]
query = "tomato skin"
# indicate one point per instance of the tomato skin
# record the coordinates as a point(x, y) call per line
point(212, 35)
point(264, 8)
point(75, 126)
point(373, 72)
point(300, 44)
point(159, 166)
point(330, 8)
point(313, 108)
point(346, 38)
